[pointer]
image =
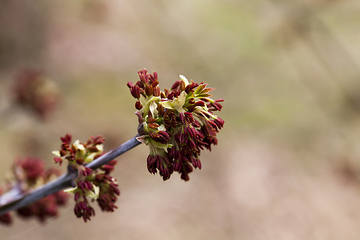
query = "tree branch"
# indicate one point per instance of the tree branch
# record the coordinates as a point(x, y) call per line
point(14, 200)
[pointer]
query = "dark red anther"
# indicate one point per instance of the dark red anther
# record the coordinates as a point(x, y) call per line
point(135, 92)
point(138, 105)
point(157, 91)
point(79, 161)
point(130, 84)
point(149, 90)
point(219, 122)
point(153, 125)
point(58, 160)
point(176, 84)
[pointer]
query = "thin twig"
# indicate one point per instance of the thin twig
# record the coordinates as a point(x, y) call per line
point(107, 157)
point(9, 202)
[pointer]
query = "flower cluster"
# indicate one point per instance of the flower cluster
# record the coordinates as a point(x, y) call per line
point(34, 90)
point(93, 184)
point(176, 124)
point(30, 173)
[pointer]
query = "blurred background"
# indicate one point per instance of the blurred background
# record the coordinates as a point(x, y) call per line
point(288, 160)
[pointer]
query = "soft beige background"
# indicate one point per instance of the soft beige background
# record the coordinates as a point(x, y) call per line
point(288, 160)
